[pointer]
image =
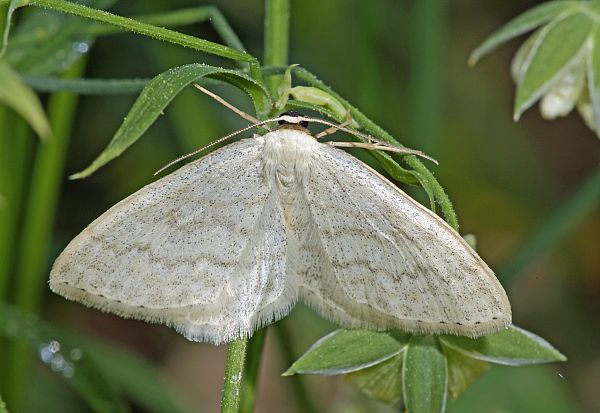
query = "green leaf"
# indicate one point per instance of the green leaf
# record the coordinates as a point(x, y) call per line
point(593, 76)
point(512, 347)
point(156, 96)
point(145, 29)
point(319, 97)
point(382, 381)
point(550, 57)
point(15, 94)
point(424, 376)
point(344, 351)
point(523, 23)
point(87, 86)
point(462, 370)
point(520, 61)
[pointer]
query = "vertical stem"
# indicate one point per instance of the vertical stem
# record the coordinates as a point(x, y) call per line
point(38, 219)
point(427, 62)
point(239, 388)
point(277, 35)
point(15, 149)
point(14, 153)
point(234, 372)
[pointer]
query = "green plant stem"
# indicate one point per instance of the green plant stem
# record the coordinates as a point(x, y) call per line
point(241, 376)
point(15, 150)
point(15, 143)
point(426, 85)
point(234, 372)
point(36, 231)
point(277, 28)
point(145, 29)
point(252, 368)
point(555, 227)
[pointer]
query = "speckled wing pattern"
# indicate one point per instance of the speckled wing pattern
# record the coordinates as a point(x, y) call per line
point(201, 250)
point(231, 241)
point(391, 262)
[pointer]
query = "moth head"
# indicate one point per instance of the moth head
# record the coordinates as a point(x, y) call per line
point(293, 119)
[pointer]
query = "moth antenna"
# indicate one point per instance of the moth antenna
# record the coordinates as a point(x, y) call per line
point(210, 145)
point(371, 143)
point(382, 147)
point(228, 105)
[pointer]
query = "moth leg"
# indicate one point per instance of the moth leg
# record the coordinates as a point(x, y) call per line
point(334, 129)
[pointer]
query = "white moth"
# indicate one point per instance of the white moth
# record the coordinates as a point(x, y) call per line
point(230, 242)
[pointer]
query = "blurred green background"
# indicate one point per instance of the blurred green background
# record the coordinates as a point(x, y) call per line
point(403, 63)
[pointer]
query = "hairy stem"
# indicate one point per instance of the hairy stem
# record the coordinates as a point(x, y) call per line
point(277, 27)
point(234, 372)
point(241, 375)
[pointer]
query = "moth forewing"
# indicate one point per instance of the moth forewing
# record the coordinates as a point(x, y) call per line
point(231, 241)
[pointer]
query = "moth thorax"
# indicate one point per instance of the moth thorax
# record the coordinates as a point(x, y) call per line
point(287, 157)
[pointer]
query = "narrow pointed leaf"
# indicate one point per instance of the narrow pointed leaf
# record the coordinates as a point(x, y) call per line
point(382, 381)
point(344, 351)
point(462, 371)
point(558, 49)
point(3, 408)
point(512, 347)
point(523, 23)
point(145, 29)
point(15, 94)
point(593, 75)
point(87, 86)
point(155, 97)
point(424, 376)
